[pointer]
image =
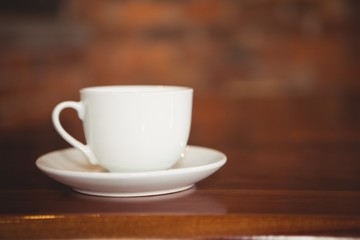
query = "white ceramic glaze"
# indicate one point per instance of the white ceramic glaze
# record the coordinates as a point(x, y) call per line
point(70, 167)
point(131, 128)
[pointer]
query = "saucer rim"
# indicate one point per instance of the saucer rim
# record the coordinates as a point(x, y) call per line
point(217, 164)
point(136, 184)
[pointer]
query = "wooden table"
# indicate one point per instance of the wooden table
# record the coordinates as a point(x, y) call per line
point(304, 189)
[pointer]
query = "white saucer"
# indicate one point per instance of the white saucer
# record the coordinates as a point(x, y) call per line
point(70, 167)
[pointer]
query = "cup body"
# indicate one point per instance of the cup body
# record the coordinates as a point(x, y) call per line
point(136, 128)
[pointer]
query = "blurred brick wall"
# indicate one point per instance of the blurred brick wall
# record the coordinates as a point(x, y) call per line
point(263, 71)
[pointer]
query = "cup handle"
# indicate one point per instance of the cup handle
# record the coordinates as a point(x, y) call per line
point(79, 108)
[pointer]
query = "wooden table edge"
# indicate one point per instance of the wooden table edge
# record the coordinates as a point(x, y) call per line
point(175, 226)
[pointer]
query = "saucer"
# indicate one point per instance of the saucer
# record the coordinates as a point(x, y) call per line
point(70, 167)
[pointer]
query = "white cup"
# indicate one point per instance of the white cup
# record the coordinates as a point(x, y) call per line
point(131, 128)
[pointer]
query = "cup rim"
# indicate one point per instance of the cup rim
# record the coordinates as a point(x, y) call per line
point(135, 89)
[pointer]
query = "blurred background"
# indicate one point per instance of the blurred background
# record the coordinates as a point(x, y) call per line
point(267, 74)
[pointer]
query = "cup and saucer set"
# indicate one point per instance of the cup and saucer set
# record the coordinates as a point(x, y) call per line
point(136, 143)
